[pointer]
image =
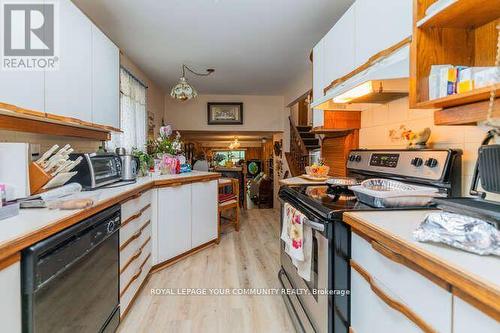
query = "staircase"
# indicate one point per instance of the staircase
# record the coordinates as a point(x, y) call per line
point(302, 141)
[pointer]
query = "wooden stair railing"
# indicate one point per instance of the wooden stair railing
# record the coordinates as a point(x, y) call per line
point(298, 156)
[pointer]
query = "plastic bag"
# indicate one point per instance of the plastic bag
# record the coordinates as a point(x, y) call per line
point(460, 231)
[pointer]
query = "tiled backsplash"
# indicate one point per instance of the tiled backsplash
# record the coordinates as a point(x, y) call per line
point(47, 141)
point(377, 120)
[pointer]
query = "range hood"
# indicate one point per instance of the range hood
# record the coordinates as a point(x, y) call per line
point(384, 80)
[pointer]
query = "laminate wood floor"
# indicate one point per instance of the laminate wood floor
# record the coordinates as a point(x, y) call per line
point(245, 259)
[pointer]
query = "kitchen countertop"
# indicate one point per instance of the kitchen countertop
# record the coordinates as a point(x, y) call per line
point(476, 276)
point(35, 224)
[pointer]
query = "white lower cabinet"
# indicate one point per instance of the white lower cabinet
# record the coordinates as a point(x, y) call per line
point(173, 221)
point(10, 301)
point(370, 314)
point(204, 213)
point(467, 319)
point(186, 218)
point(413, 288)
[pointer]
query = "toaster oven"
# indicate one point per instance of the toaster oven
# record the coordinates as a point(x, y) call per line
point(96, 170)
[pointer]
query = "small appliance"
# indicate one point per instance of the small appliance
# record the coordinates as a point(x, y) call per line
point(323, 207)
point(96, 170)
point(130, 167)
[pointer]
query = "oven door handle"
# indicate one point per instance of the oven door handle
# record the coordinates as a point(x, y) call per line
point(315, 225)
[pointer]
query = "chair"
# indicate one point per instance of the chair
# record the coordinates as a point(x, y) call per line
point(229, 201)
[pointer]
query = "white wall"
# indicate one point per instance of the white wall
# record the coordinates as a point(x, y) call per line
point(260, 113)
point(378, 119)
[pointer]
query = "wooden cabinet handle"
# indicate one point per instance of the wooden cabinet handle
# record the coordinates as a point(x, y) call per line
point(386, 252)
point(135, 276)
point(132, 197)
point(396, 305)
point(135, 216)
point(136, 255)
point(135, 236)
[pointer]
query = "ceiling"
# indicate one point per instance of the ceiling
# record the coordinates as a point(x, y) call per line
point(256, 46)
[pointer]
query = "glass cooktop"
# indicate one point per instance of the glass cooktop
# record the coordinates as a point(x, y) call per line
point(326, 201)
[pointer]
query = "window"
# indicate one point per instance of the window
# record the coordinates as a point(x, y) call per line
point(132, 114)
point(232, 155)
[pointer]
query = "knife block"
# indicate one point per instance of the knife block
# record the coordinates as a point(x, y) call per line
point(38, 178)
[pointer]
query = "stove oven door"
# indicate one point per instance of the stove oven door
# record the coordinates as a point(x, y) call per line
point(308, 309)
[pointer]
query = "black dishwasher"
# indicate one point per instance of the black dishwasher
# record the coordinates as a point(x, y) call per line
point(70, 281)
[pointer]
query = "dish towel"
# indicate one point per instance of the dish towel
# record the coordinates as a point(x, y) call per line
point(298, 240)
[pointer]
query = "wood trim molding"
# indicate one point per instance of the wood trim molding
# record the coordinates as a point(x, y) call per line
point(373, 59)
point(135, 216)
point(44, 124)
point(158, 267)
point(135, 276)
point(136, 255)
point(460, 282)
point(396, 305)
point(4, 263)
point(135, 236)
point(22, 124)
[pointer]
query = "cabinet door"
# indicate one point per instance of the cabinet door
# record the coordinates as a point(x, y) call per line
point(174, 221)
point(379, 25)
point(318, 70)
point(340, 47)
point(22, 89)
point(105, 80)
point(467, 318)
point(10, 302)
point(370, 314)
point(204, 212)
point(68, 90)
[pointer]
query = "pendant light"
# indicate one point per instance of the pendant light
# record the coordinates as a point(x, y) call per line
point(235, 144)
point(183, 91)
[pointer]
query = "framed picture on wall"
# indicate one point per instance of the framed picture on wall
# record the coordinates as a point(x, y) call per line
point(225, 113)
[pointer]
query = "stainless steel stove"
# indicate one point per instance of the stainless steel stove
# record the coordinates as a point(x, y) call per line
point(323, 206)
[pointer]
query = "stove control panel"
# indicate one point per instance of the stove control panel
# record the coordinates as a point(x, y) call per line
point(427, 164)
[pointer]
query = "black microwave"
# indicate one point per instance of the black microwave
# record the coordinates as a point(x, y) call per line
point(96, 170)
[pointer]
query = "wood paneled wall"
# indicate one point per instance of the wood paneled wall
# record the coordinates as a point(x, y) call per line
point(335, 150)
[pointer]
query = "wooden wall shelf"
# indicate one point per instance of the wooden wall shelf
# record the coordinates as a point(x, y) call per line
point(462, 34)
point(478, 12)
point(33, 124)
point(473, 96)
point(13, 118)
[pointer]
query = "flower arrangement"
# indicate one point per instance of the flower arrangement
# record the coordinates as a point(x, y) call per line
point(166, 149)
point(146, 161)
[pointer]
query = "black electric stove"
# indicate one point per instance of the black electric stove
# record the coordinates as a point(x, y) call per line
point(324, 205)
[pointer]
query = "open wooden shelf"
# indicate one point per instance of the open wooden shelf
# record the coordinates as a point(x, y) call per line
point(473, 96)
point(463, 33)
point(13, 118)
point(479, 12)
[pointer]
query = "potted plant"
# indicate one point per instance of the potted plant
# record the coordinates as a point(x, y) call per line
point(145, 161)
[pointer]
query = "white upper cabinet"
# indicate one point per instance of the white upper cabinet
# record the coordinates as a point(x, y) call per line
point(318, 70)
point(339, 47)
point(68, 89)
point(105, 80)
point(379, 25)
point(22, 89)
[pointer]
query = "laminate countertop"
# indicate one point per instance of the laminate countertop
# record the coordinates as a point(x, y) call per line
point(470, 276)
point(35, 224)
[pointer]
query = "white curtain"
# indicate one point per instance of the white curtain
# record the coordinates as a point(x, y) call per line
point(132, 114)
